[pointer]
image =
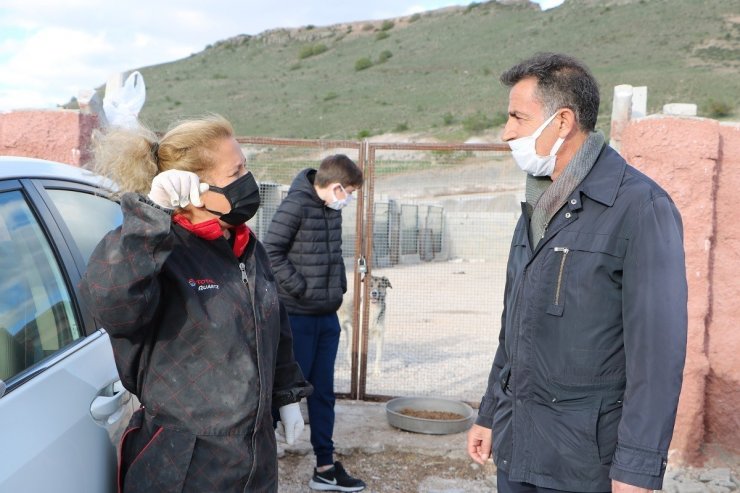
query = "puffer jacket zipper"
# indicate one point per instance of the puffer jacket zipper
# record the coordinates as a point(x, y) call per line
point(328, 252)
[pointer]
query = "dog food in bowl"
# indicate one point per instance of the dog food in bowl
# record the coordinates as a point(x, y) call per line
point(430, 415)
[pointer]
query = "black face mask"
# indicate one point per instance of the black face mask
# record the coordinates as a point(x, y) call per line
point(244, 196)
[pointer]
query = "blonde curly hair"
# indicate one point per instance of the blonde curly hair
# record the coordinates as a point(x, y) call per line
point(133, 157)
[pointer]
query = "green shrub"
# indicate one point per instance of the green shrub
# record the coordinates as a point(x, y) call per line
point(218, 76)
point(500, 119)
point(363, 63)
point(387, 25)
point(718, 109)
point(305, 52)
point(448, 118)
point(384, 56)
point(415, 17)
point(312, 50)
point(368, 27)
point(310, 27)
point(320, 48)
point(331, 95)
point(381, 36)
point(477, 122)
point(363, 134)
point(401, 127)
point(295, 66)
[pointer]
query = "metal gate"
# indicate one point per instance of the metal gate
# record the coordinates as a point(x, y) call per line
point(435, 220)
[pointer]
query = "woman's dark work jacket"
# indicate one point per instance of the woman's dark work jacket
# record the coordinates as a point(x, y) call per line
point(200, 337)
point(586, 378)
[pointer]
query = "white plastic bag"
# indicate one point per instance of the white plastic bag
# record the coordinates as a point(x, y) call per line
point(122, 106)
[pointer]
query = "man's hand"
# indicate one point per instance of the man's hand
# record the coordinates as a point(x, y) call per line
point(619, 487)
point(479, 444)
point(291, 423)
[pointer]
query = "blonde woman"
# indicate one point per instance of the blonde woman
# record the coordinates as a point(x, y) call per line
point(186, 293)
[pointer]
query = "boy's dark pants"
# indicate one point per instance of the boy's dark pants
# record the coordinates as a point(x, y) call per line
point(315, 344)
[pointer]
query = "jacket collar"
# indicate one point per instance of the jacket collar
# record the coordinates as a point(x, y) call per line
point(602, 183)
point(211, 230)
point(304, 182)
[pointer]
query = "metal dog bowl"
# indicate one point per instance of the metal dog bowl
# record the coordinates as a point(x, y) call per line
point(394, 407)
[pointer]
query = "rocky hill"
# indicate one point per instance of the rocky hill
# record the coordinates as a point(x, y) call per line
point(436, 72)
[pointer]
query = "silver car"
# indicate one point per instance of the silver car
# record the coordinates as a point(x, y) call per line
point(62, 407)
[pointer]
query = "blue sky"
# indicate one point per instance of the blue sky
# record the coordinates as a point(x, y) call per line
point(49, 49)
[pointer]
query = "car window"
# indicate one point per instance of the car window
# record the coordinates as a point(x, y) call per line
point(88, 217)
point(36, 315)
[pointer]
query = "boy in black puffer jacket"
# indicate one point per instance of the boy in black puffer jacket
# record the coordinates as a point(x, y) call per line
point(304, 243)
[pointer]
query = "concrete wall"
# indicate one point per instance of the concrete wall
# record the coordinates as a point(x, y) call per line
point(696, 161)
point(58, 135)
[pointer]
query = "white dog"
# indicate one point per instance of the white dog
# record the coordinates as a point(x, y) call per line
point(376, 324)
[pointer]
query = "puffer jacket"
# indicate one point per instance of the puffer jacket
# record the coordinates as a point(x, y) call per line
point(585, 382)
point(304, 242)
point(200, 337)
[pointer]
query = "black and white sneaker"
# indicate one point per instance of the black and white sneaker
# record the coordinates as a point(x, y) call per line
point(335, 479)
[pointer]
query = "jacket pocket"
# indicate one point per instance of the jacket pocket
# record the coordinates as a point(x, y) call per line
point(606, 431)
point(502, 418)
point(564, 436)
point(504, 377)
point(160, 463)
point(586, 265)
point(557, 305)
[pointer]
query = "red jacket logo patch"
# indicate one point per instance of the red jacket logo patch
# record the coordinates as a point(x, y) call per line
point(203, 284)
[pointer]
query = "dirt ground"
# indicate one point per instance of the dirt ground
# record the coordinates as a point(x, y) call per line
point(386, 472)
point(441, 331)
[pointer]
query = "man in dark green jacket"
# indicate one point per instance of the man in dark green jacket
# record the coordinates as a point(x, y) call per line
point(584, 386)
point(304, 243)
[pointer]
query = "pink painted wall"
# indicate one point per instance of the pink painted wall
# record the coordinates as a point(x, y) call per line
point(693, 158)
point(57, 135)
point(723, 340)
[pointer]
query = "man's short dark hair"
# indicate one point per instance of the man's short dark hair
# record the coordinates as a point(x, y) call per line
point(562, 82)
point(338, 168)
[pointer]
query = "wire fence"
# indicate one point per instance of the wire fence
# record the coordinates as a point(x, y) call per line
point(435, 221)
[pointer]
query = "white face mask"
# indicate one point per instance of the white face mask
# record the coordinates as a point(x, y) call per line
point(524, 153)
point(337, 204)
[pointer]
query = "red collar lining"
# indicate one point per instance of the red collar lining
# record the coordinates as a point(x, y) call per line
point(211, 230)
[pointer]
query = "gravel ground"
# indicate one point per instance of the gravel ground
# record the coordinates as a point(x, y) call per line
point(391, 472)
point(406, 472)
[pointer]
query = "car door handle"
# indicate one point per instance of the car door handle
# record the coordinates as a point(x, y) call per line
point(109, 401)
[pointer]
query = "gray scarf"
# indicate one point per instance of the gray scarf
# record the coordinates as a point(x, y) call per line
point(545, 197)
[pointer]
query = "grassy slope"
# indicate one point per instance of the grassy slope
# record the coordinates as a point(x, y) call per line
point(448, 62)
